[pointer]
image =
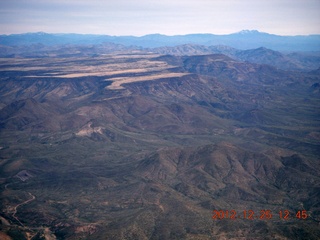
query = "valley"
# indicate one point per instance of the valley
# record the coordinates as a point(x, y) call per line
point(135, 144)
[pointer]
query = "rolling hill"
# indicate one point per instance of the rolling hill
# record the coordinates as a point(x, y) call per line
point(136, 145)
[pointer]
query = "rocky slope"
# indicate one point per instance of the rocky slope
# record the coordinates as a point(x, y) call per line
point(154, 158)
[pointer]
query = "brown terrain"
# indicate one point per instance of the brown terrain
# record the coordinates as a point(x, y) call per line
point(135, 145)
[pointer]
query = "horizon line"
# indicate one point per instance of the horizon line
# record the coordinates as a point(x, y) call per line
point(245, 31)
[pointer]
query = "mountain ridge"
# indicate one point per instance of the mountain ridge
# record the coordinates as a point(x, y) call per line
point(242, 40)
point(305, 61)
point(180, 137)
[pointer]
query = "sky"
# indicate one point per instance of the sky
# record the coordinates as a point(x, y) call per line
point(169, 17)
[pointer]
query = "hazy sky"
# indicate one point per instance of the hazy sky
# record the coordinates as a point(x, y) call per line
point(170, 17)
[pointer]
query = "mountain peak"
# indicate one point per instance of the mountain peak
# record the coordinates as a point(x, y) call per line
point(246, 31)
point(37, 33)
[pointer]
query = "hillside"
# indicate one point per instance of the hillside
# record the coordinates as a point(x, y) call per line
point(135, 145)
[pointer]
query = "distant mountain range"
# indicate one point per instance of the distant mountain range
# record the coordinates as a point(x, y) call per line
point(246, 39)
point(288, 61)
point(301, 61)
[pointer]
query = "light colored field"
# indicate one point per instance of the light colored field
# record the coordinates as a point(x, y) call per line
point(132, 56)
point(117, 82)
point(106, 66)
point(63, 70)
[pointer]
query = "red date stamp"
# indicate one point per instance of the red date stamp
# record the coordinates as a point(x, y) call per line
point(262, 214)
